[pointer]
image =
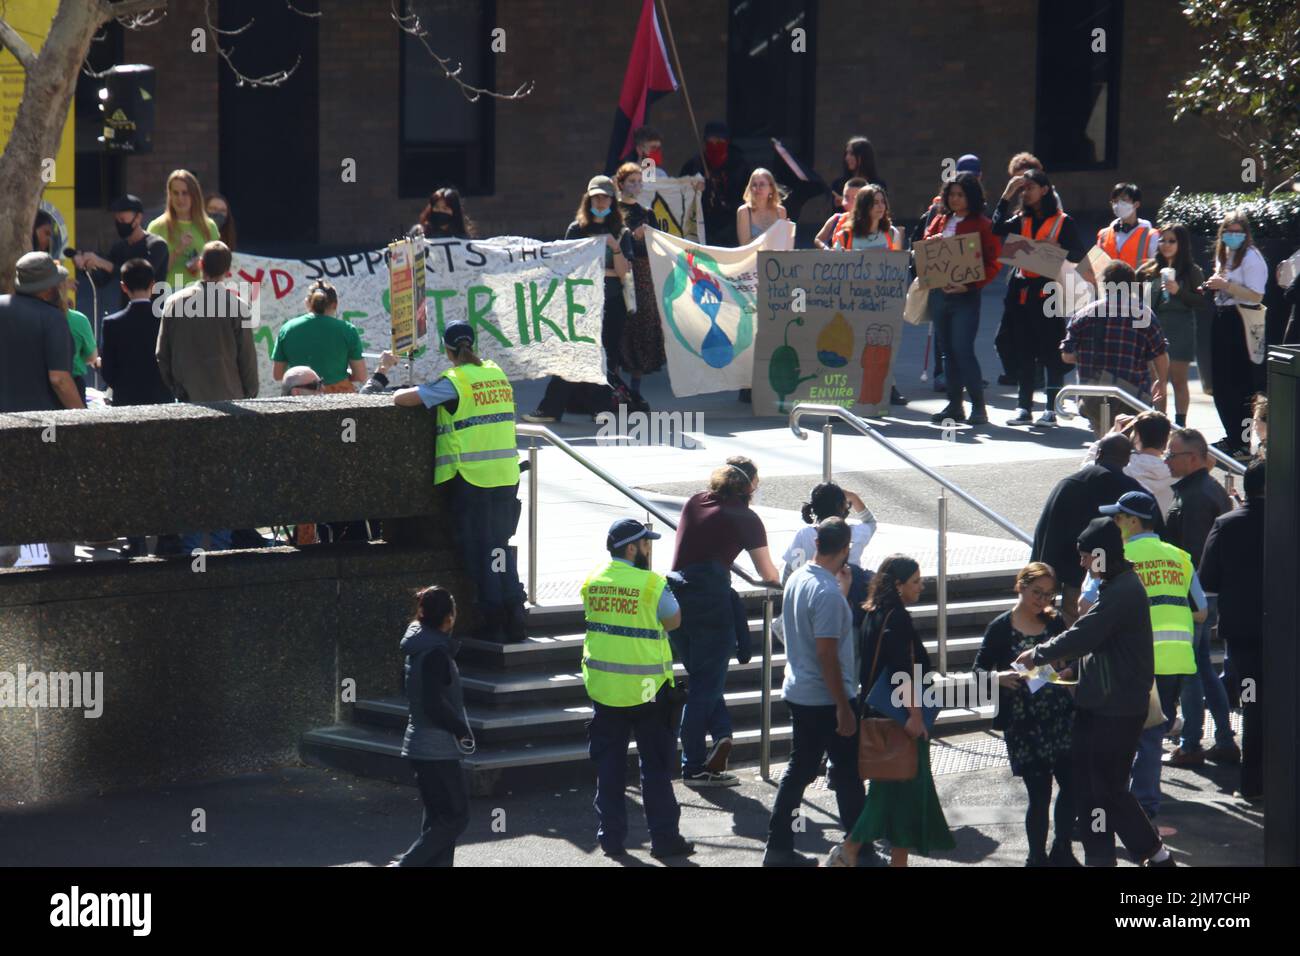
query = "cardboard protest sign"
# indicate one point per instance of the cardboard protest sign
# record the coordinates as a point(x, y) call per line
point(406, 295)
point(707, 297)
point(1033, 255)
point(535, 306)
point(829, 327)
point(951, 260)
point(674, 205)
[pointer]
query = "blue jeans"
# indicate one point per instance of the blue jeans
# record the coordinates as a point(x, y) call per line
point(1145, 782)
point(486, 519)
point(956, 322)
point(1205, 688)
point(704, 643)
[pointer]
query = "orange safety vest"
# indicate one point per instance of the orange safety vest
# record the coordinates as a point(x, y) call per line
point(1135, 248)
point(843, 236)
point(1049, 229)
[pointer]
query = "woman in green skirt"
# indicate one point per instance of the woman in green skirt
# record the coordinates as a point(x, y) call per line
point(906, 812)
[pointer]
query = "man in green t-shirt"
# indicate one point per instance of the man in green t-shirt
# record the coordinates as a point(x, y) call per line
point(84, 351)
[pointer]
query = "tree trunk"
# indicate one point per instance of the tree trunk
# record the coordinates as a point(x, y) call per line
point(50, 84)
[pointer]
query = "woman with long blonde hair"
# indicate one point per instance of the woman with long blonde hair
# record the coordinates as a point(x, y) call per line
point(186, 226)
point(762, 207)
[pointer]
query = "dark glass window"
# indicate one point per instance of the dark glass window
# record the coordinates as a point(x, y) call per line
point(769, 84)
point(445, 139)
point(1077, 113)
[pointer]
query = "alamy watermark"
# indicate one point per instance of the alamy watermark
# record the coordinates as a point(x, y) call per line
point(931, 690)
point(649, 428)
point(75, 690)
point(212, 299)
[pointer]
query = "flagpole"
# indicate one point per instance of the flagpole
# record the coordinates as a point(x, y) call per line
point(677, 60)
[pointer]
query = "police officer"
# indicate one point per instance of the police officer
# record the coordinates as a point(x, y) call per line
point(476, 456)
point(627, 666)
point(1172, 589)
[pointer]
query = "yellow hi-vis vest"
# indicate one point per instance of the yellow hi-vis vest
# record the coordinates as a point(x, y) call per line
point(478, 441)
point(1166, 573)
point(626, 656)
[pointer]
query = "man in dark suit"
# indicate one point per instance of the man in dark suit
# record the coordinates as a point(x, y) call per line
point(1232, 566)
point(1072, 504)
point(126, 349)
point(128, 339)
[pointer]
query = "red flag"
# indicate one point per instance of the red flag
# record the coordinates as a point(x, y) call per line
point(648, 77)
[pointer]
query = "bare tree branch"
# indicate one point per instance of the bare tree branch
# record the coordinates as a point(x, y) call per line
point(146, 12)
point(411, 24)
point(15, 44)
point(301, 13)
point(241, 78)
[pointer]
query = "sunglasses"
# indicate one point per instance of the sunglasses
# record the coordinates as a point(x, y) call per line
point(311, 385)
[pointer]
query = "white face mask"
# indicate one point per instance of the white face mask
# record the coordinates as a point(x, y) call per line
point(1123, 209)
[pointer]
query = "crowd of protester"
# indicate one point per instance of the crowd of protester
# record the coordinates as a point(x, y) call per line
point(1094, 725)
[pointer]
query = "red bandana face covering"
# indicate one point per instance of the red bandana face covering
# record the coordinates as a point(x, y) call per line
point(715, 154)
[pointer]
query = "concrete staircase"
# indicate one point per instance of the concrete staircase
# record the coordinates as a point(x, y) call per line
point(528, 708)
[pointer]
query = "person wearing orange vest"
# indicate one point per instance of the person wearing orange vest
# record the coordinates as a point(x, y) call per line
point(1035, 337)
point(827, 231)
point(867, 224)
point(1128, 238)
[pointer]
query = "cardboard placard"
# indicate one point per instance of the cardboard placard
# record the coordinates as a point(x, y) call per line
point(951, 260)
point(829, 326)
point(1041, 256)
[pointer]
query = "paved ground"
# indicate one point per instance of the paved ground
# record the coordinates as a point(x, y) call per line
point(310, 817)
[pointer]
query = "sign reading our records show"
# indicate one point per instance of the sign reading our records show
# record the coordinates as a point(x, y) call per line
point(829, 327)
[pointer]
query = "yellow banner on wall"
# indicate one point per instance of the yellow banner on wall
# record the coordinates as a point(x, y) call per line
point(31, 19)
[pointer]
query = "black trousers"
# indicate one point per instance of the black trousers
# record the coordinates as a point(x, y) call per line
point(446, 813)
point(1035, 343)
point(1248, 665)
point(1236, 378)
point(1039, 787)
point(814, 737)
point(1103, 753)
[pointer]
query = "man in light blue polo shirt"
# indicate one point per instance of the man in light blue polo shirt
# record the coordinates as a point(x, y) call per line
point(820, 685)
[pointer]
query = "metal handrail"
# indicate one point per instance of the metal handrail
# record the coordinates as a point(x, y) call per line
point(805, 408)
point(1114, 391)
point(544, 433)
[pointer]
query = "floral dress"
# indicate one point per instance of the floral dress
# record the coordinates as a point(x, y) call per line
point(1041, 727)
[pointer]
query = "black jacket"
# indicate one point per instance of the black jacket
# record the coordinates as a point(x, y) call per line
point(1070, 506)
point(1115, 648)
point(996, 654)
point(890, 628)
point(1005, 224)
point(126, 349)
point(1198, 501)
point(1232, 566)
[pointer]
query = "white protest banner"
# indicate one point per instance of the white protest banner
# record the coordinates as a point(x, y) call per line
point(708, 298)
point(1033, 255)
point(535, 306)
point(675, 206)
point(829, 327)
point(950, 260)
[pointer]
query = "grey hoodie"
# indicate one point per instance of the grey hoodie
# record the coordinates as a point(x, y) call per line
point(437, 708)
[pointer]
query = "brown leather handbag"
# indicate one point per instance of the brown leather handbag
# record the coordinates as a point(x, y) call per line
point(885, 751)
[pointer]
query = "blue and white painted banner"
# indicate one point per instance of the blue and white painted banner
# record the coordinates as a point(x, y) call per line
point(708, 300)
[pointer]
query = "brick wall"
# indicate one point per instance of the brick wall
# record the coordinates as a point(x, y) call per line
point(924, 80)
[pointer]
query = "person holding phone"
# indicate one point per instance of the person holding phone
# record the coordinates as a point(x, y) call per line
point(1174, 280)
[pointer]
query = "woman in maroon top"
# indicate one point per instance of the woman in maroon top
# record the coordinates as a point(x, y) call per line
point(716, 526)
point(955, 309)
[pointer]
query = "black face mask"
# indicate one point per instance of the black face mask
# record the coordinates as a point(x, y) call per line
point(124, 229)
point(440, 220)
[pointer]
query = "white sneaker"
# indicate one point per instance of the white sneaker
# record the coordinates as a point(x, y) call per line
point(1022, 417)
point(1047, 419)
point(708, 778)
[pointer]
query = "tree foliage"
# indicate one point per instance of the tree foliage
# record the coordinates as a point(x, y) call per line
point(1248, 83)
